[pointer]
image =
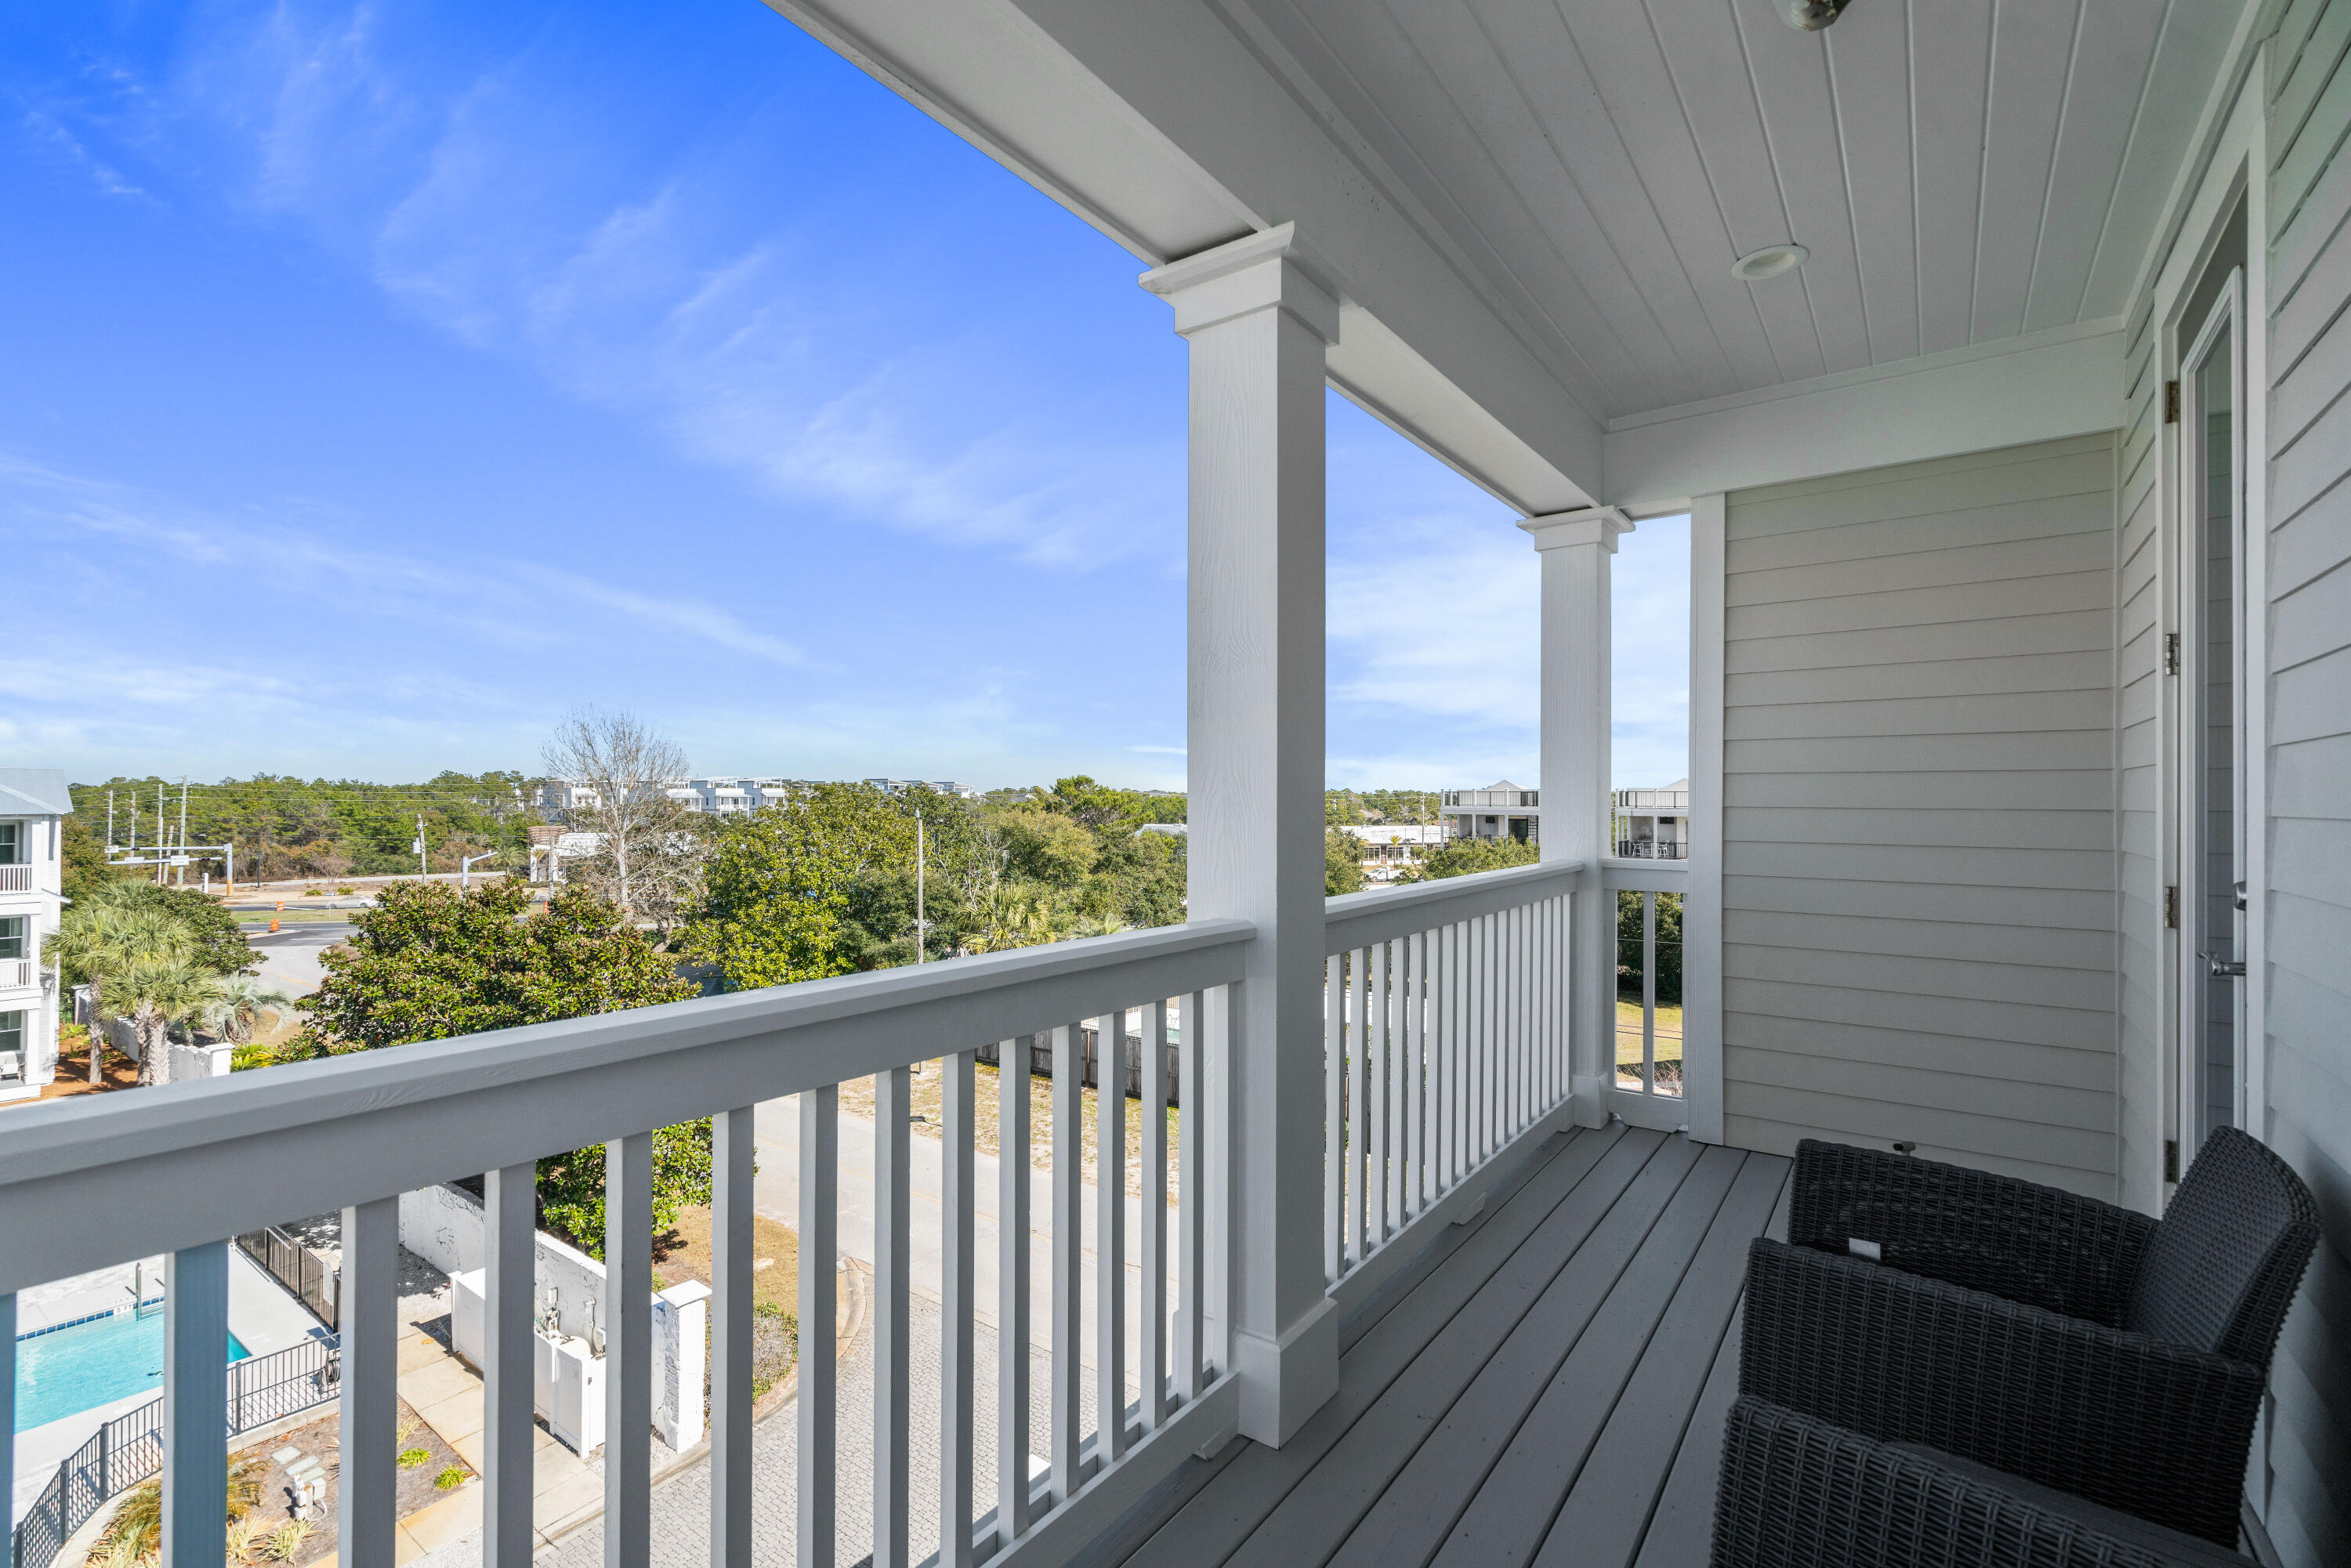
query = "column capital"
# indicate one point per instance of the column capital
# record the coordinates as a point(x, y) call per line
point(1265, 271)
point(1585, 525)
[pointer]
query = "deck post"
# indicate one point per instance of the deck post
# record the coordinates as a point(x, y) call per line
point(1575, 547)
point(1259, 315)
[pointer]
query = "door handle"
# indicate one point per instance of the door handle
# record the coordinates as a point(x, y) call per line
point(2223, 968)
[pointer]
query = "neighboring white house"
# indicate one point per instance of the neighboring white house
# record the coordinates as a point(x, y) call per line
point(33, 805)
point(559, 798)
point(943, 786)
point(1389, 847)
point(732, 795)
point(1501, 809)
point(1654, 824)
point(550, 847)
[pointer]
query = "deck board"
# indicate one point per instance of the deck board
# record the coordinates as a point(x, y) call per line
point(1548, 1386)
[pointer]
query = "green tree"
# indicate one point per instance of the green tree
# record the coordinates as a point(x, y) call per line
point(218, 942)
point(1669, 944)
point(1467, 857)
point(86, 870)
point(430, 962)
point(780, 884)
point(1342, 863)
point(235, 1007)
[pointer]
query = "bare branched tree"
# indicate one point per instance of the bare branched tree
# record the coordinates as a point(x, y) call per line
point(628, 768)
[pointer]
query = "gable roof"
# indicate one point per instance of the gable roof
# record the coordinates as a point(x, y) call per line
point(40, 791)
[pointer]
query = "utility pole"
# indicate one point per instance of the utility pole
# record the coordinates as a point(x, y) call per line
point(110, 821)
point(184, 829)
point(163, 833)
point(920, 923)
point(421, 870)
point(465, 867)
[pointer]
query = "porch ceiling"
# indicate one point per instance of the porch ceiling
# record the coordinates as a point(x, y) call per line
point(1960, 172)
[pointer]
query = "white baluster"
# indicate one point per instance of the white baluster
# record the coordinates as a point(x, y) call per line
point(732, 1240)
point(892, 1103)
point(628, 1351)
point(1153, 1212)
point(955, 1259)
point(1110, 1238)
point(1012, 1286)
point(1378, 1187)
point(820, 1251)
point(1069, 1069)
point(1335, 1118)
point(1191, 1204)
point(509, 1376)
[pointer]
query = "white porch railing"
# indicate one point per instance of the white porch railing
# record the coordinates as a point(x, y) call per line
point(1648, 1085)
point(93, 1182)
point(18, 974)
point(16, 879)
point(1444, 1044)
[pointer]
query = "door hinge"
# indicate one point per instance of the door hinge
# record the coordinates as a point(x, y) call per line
point(2171, 1159)
point(2171, 652)
point(2171, 402)
point(2171, 909)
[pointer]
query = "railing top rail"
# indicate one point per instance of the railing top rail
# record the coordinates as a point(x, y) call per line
point(90, 1181)
point(1358, 919)
point(1641, 873)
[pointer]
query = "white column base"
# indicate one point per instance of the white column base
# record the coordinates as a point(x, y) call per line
point(1284, 1382)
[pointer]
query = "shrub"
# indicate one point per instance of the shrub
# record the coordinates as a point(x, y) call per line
point(450, 1479)
point(412, 1457)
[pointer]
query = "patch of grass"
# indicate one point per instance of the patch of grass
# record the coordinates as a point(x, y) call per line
point(288, 1539)
point(412, 1457)
point(857, 1100)
point(684, 1254)
point(450, 1479)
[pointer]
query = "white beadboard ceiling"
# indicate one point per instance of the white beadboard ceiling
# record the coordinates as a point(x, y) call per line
point(1962, 171)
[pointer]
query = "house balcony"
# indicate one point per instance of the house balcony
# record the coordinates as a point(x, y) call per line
point(17, 879)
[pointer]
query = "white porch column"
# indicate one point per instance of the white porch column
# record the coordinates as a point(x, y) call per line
point(1575, 547)
point(1258, 322)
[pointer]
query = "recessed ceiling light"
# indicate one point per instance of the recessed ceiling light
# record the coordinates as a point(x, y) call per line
point(1769, 262)
point(1810, 16)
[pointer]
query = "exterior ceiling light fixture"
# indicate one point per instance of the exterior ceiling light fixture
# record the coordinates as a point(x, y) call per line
point(1769, 262)
point(1810, 16)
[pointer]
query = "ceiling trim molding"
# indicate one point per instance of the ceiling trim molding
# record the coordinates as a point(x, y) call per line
point(2065, 381)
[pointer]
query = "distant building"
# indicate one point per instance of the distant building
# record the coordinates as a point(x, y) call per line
point(1501, 809)
point(550, 847)
point(1653, 824)
point(559, 798)
point(943, 786)
point(733, 794)
point(34, 803)
point(1390, 847)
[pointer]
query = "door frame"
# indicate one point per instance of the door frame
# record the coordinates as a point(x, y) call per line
point(2190, 590)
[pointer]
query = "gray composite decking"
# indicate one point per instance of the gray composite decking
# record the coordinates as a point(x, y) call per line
point(1544, 1386)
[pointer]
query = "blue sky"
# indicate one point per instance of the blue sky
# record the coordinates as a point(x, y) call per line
point(384, 381)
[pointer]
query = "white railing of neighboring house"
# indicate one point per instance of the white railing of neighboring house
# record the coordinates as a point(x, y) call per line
point(17, 974)
point(93, 1182)
point(16, 879)
point(1445, 1045)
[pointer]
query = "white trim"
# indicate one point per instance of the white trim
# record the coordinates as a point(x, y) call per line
point(1702, 905)
point(1658, 1113)
point(2039, 387)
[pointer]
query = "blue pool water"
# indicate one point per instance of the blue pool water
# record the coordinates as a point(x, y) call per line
point(80, 1368)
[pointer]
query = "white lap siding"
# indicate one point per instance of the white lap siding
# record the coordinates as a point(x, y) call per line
point(1919, 826)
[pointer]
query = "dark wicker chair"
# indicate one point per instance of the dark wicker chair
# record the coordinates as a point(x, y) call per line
point(1799, 1493)
point(2049, 1336)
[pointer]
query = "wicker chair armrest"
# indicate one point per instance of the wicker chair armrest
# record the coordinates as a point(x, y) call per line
point(2038, 1245)
point(2157, 1430)
point(1799, 1493)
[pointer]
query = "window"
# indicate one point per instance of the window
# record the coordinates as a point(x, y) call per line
point(12, 939)
point(12, 1034)
point(13, 841)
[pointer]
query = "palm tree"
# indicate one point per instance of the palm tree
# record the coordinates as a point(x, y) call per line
point(143, 964)
point(241, 1001)
point(156, 990)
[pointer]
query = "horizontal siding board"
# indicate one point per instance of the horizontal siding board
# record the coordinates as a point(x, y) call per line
point(2312, 620)
point(1922, 499)
point(2313, 464)
point(1999, 904)
point(2075, 1148)
point(2309, 545)
point(2053, 595)
point(2063, 1029)
point(1980, 752)
point(2070, 632)
point(2307, 778)
point(1989, 713)
point(1974, 1094)
point(2044, 789)
point(1968, 1055)
point(1772, 1136)
point(2312, 385)
point(1869, 827)
point(2308, 153)
point(1927, 981)
point(2004, 560)
point(1948, 678)
point(2312, 701)
point(1898, 538)
point(2296, 324)
point(2059, 949)
point(2080, 869)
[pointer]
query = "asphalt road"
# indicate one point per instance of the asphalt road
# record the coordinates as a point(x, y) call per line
point(289, 955)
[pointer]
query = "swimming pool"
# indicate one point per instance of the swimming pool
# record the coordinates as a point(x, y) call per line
point(67, 1370)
